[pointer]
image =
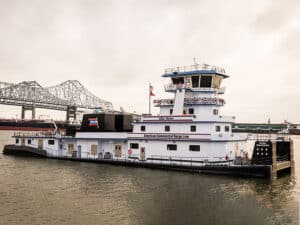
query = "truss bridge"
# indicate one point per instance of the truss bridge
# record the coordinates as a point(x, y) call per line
point(67, 96)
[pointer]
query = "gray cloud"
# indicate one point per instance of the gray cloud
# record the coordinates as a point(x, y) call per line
point(115, 48)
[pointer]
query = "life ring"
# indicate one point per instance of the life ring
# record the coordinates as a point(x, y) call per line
point(129, 151)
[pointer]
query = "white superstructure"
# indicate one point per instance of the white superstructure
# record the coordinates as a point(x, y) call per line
point(189, 128)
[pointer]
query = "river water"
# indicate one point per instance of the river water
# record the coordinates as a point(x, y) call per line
point(46, 191)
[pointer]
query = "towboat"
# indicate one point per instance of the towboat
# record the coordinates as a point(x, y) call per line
point(189, 132)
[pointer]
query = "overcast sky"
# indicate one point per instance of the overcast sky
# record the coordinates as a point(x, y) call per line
point(115, 48)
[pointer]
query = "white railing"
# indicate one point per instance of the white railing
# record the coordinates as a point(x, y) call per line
point(36, 134)
point(194, 68)
point(191, 101)
point(262, 137)
point(173, 87)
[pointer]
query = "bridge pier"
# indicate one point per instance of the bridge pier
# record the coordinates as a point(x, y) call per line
point(26, 108)
point(71, 112)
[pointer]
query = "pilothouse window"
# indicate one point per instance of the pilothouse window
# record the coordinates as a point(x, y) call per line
point(178, 80)
point(217, 81)
point(206, 81)
point(195, 81)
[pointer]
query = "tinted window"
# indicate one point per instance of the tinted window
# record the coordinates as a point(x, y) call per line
point(29, 141)
point(218, 128)
point(178, 80)
point(195, 148)
point(195, 81)
point(191, 111)
point(143, 128)
point(17, 141)
point(193, 128)
point(227, 128)
point(205, 81)
point(172, 147)
point(134, 145)
point(51, 142)
point(167, 128)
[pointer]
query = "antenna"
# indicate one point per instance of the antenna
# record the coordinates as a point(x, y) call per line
point(195, 61)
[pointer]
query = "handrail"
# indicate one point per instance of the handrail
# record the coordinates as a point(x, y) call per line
point(195, 67)
point(192, 100)
point(36, 134)
point(269, 137)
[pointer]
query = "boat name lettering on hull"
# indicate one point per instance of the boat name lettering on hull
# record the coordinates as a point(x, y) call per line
point(165, 118)
point(169, 136)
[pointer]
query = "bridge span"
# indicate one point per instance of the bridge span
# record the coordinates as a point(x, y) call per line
point(67, 96)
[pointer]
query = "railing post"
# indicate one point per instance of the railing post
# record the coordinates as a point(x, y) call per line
point(274, 161)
